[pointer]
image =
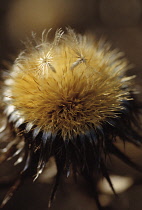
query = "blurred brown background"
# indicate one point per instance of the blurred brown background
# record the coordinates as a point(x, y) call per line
point(120, 21)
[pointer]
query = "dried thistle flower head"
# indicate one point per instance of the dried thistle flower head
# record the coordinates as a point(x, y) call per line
point(70, 99)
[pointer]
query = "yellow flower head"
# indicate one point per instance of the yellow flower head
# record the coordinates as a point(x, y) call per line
point(69, 85)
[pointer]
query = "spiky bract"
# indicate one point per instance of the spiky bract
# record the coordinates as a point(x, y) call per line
point(70, 99)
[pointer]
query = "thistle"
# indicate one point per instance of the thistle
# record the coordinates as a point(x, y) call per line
point(70, 99)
